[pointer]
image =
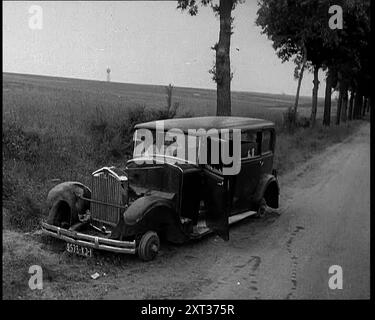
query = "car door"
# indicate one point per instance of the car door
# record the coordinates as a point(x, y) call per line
point(244, 184)
point(268, 138)
point(215, 197)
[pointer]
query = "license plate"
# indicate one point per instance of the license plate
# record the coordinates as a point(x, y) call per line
point(78, 249)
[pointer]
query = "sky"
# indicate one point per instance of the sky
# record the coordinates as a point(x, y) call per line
point(146, 42)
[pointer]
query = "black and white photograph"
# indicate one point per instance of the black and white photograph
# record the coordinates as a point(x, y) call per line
point(201, 151)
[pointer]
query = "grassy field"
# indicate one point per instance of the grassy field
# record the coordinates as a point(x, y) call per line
point(197, 101)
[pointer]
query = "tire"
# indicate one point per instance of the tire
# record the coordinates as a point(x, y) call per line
point(261, 212)
point(148, 246)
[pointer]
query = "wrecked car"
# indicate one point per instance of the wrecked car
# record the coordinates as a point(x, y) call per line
point(164, 194)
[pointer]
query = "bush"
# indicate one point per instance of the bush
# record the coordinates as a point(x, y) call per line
point(112, 137)
point(25, 214)
point(292, 120)
point(293, 149)
point(22, 211)
point(19, 144)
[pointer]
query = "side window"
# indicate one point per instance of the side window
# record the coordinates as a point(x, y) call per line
point(249, 144)
point(212, 163)
point(266, 141)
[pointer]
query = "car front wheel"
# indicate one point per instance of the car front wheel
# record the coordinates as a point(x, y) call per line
point(148, 246)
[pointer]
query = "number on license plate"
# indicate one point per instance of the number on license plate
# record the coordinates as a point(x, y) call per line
point(77, 249)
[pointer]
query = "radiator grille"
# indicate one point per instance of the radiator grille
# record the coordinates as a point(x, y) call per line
point(106, 189)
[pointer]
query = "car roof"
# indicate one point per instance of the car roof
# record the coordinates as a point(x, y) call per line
point(209, 122)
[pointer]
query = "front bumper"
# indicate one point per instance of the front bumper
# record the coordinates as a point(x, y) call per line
point(86, 240)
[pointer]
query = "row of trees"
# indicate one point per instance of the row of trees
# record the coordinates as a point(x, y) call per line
point(321, 34)
point(300, 31)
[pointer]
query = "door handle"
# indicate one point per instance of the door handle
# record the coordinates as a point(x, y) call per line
point(221, 183)
point(261, 162)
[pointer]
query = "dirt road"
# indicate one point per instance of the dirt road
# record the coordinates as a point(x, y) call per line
point(325, 221)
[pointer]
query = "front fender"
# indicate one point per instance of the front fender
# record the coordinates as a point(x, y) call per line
point(140, 207)
point(153, 213)
point(69, 193)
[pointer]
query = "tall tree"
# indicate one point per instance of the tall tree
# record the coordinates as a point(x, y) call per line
point(351, 57)
point(300, 28)
point(221, 71)
point(283, 22)
point(296, 28)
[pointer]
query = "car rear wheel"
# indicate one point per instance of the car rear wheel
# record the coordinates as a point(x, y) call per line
point(261, 212)
point(148, 246)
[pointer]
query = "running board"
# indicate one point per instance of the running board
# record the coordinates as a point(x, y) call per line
point(201, 228)
point(240, 216)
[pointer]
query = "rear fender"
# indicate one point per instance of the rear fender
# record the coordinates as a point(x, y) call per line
point(268, 187)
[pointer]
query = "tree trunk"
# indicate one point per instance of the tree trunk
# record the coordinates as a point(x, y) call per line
point(169, 90)
point(292, 111)
point(223, 74)
point(364, 108)
point(368, 104)
point(327, 100)
point(339, 104)
point(357, 104)
point(300, 81)
point(351, 103)
point(315, 96)
point(344, 111)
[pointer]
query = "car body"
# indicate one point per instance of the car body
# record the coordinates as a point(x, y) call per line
point(128, 210)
